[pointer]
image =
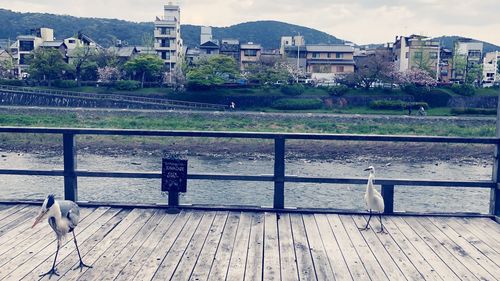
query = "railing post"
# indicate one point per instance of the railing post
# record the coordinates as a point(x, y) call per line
point(70, 180)
point(173, 198)
point(279, 173)
point(495, 192)
point(388, 195)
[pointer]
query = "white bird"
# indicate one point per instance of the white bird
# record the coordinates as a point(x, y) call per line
point(374, 201)
point(63, 217)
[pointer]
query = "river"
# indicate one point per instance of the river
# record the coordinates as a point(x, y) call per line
point(415, 199)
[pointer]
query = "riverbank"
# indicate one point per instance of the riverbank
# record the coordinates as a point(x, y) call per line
point(250, 121)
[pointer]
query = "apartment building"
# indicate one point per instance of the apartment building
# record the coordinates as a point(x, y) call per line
point(167, 35)
point(249, 54)
point(416, 51)
point(445, 65)
point(25, 45)
point(491, 63)
point(230, 47)
point(468, 54)
point(325, 62)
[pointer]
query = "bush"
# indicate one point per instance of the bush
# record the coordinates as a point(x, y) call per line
point(434, 98)
point(65, 84)
point(127, 85)
point(297, 104)
point(478, 111)
point(414, 90)
point(338, 91)
point(12, 82)
point(293, 90)
point(396, 105)
point(463, 90)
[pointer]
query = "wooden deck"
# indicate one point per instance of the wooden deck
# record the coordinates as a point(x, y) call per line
point(149, 244)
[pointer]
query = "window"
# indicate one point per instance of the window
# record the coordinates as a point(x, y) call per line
point(71, 41)
point(250, 53)
point(165, 55)
point(338, 55)
point(166, 30)
point(340, 68)
point(26, 46)
point(433, 55)
point(329, 55)
point(315, 55)
point(23, 59)
point(165, 43)
point(318, 68)
point(406, 55)
point(209, 52)
point(418, 55)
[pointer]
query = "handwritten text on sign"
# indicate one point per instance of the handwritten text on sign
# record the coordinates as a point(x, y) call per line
point(174, 175)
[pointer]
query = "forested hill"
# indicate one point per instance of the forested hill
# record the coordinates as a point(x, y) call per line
point(105, 31)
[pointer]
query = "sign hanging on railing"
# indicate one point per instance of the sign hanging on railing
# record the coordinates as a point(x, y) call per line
point(174, 175)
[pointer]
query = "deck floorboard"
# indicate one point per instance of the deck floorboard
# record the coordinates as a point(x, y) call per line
point(152, 244)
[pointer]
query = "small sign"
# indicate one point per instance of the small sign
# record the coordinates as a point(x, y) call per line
point(174, 175)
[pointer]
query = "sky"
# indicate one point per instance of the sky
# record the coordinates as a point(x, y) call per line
point(359, 21)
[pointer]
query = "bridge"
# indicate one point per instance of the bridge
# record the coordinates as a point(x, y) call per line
point(194, 242)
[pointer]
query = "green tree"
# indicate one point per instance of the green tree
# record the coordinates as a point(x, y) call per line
point(212, 71)
point(47, 64)
point(80, 58)
point(144, 66)
point(6, 67)
point(474, 74)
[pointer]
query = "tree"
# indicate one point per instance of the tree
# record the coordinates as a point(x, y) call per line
point(418, 77)
point(265, 73)
point(47, 64)
point(6, 67)
point(376, 68)
point(176, 78)
point(81, 57)
point(144, 66)
point(474, 74)
point(212, 71)
point(108, 74)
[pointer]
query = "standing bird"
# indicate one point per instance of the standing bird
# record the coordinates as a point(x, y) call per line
point(63, 218)
point(374, 201)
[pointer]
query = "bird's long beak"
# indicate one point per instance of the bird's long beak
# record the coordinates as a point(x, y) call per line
point(367, 169)
point(38, 219)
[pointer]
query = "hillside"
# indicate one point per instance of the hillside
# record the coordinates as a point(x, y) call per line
point(105, 31)
point(449, 42)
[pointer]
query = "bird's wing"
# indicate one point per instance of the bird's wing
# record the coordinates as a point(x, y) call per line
point(71, 211)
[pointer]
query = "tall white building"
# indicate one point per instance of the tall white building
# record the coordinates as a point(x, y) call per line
point(490, 68)
point(205, 35)
point(167, 34)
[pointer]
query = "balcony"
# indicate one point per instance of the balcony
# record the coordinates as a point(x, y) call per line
point(171, 34)
point(160, 47)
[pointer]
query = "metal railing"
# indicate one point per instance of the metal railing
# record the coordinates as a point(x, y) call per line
point(71, 174)
point(114, 97)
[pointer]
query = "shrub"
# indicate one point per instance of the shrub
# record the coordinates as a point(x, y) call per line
point(435, 97)
point(414, 90)
point(127, 85)
point(463, 90)
point(388, 104)
point(338, 91)
point(65, 84)
point(12, 82)
point(297, 104)
point(479, 111)
point(293, 90)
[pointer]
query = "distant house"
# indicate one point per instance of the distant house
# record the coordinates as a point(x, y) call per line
point(471, 52)
point(324, 62)
point(491, 73)
point(209, 48)
point(416, 51)
point(230, 47)
point(123, 53)
point(445, 65)
point(56, 45)
point(249, 54)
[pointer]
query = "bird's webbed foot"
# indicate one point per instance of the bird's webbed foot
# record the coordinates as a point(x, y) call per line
point(51, 272)
point(81, 266)
point(363, 228)
point(382, 231)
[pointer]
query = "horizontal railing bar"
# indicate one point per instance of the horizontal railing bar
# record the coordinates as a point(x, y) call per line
point(296, 179)
point(250, 135)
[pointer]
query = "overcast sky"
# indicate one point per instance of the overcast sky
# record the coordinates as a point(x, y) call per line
point(360, 21)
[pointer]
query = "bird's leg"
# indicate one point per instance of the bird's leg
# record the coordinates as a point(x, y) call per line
point(367, 226)
point(53, 271)
point(81, 265)
point(381, 224)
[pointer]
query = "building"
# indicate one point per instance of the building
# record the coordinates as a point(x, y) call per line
point(468, 54)
point(209, 48)
point(491, 71)
point(249, 54)
point(25, 45)
point(416, 51)
point(325, 62)
point(205, 34)
point(293, 49)
point(291, 41)
point(445, 65)
point(167, 36)
point(230, 47)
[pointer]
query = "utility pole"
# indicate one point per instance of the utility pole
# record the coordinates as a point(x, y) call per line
point(298, 56)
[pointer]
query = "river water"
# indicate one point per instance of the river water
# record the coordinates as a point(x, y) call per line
point(407, 198)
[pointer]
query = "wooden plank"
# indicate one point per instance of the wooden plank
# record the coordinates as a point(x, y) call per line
point(116, 247)
point(20, 227)
point(288, 261)
point(271, 248)
point(374, 269)
point(45, 258)
point(479, 233)
point(70, 261)
point(322, 265)
point(220, 265)
point(424, 262)
point(137, 261)
point(465, 253)
point(23, 251)
point(17, 217)
point(489, 252)
point(305, 263)
point(207, 255)
point(460, 270)
point(26, 258)
point(333, 251)
point(154, 260)
point(174, 255)
point(186, 265)
point(395, 264)
point(97, 251)
point(353, 260)
point(5, 213)
point(488, 226)
point(255, 258)
point(240, 250)
point(123, 258)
